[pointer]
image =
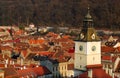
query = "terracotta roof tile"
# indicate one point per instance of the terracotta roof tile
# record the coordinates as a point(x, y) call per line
point(94, 66)
point(19, 32)
point(10, 71)
point(24, 53)
point(96, 73)
point(41, 71)
point(109, 58)
point(6, 48)
point(43, 53)
point(107, 49)
point(2, 65)
point(70, 66)
point(106, 57)
point(71, 50)
point(25, 72)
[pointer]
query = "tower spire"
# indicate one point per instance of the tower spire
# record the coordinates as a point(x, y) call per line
point(88, 9)
point(88, 21)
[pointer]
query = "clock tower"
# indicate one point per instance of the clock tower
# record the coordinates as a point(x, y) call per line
point(87, 45)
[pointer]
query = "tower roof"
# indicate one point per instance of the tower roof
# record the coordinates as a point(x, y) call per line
point(88, 17)
point(88, 33)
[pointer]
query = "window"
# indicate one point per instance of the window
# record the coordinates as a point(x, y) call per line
point(56, 69)
point(81, 48)
point(80, 58)
point(80, 66)
point(53, 68)
point(65, 67)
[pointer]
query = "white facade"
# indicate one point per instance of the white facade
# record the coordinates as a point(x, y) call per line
point(87, 53)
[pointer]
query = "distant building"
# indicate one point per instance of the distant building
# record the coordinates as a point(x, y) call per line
point(111, 57)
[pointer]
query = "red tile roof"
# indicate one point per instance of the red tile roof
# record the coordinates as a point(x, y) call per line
point(96, 73)
point(19, 32)
point(39, 41)
point(43, 53)
point(25, 72)
point(66, 36)
point(39, 71)
point(24, 53)
point(9, 72)
point(6, 48)
point(106, 57)
point(51, 34)
point(109, 58)
point(2, 65)
point(94, 66)
point(71, 50)
point(107, 49)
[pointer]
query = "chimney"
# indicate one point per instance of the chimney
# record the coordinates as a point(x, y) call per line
point(10, 62)
point(90, 73)
point(24, 67)
point(6, 63)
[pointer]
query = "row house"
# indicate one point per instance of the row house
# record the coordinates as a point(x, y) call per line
point(59, 69)
point(59, 64)
point(110, 55)
point(116, 68)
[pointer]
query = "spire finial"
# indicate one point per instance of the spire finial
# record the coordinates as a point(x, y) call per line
point(88, 8)
point(88, 19)
point(88, 16)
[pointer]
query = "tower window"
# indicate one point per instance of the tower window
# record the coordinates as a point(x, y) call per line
point(80, 58)
point(93, 58)
point(80, 66)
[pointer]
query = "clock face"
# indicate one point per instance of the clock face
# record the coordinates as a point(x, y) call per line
point(93, 48)
point(81, 35)
point(81, 48)
point(93, 36)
